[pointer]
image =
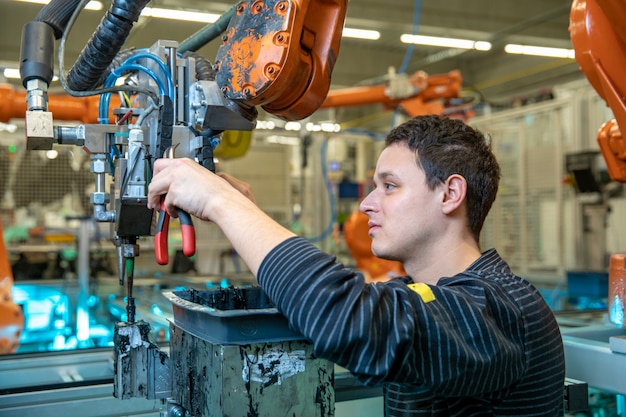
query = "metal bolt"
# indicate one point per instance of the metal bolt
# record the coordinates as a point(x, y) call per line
point(98, 165)
point(177, 411)
point(100, 198)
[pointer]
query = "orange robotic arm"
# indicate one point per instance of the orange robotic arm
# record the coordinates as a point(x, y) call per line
point(420, 94)
point(64, 107)
point(599, 38)
point(279, 54)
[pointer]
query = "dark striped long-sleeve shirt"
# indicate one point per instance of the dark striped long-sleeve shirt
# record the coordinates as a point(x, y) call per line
point(480, 343)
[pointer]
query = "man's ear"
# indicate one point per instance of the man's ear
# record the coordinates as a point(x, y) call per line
point(455, 190)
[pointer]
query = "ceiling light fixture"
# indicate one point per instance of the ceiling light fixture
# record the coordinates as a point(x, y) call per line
point(445, 42)
point(92, 5)
point(371, 35)
point(539, 51)
point(11, 73)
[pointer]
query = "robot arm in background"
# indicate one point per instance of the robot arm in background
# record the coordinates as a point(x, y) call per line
point(599, 38)
point(416, 94)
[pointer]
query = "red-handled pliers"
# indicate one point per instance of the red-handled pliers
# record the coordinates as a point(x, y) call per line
point(162, 227)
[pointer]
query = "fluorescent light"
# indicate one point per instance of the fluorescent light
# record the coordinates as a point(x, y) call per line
point(446, 42)
point(539, 51)
point(323, 127)
point(180, 15)
point(12, 73)
point(15, 73)
point(294, 126)
point(361, 34)
point(482, 46)
point(6, 127)
point(284, 140)
point(265, 124)
point(92, 5)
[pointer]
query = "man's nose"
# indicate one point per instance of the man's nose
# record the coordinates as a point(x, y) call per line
point(367, 204)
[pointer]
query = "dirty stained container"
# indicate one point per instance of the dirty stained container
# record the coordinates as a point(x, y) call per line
point(233, 354)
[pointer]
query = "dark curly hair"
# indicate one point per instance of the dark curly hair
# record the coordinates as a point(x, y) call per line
point(445, 146)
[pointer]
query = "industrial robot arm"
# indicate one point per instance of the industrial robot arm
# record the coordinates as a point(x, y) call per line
point(599, 38)
point(416, 94)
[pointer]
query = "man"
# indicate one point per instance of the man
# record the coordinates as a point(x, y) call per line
point(461, 335)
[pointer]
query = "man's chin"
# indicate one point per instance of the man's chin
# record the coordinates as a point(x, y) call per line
point(381, 254)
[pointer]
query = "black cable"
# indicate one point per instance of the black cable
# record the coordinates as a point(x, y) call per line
point(56, 14)
point(105, 43)
point(63, 80)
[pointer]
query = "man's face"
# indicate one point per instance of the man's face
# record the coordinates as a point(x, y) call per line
point(404, 214)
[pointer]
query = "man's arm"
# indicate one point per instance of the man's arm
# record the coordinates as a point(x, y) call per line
point(220, 199)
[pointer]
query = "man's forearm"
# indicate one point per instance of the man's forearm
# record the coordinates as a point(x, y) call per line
point(252, 232)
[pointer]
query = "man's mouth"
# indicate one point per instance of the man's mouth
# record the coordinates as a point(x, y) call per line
point(373, 227)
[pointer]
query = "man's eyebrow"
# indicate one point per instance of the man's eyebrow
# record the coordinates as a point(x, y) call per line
point(385, 174)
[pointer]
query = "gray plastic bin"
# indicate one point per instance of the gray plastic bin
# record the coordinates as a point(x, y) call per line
point(237, 316)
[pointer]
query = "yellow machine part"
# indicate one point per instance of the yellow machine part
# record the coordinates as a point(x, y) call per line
point(234, 144)
point(11, 316)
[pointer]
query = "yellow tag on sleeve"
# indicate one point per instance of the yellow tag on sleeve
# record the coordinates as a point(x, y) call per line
point(423, 290)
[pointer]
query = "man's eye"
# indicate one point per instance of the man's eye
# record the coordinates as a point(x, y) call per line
point(389, 186)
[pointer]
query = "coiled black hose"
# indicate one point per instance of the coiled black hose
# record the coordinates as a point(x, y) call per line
point(204, 68)
point(56, 14)
point(104, 44)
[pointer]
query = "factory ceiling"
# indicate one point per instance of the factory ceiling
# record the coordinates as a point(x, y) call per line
point(498, 77)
